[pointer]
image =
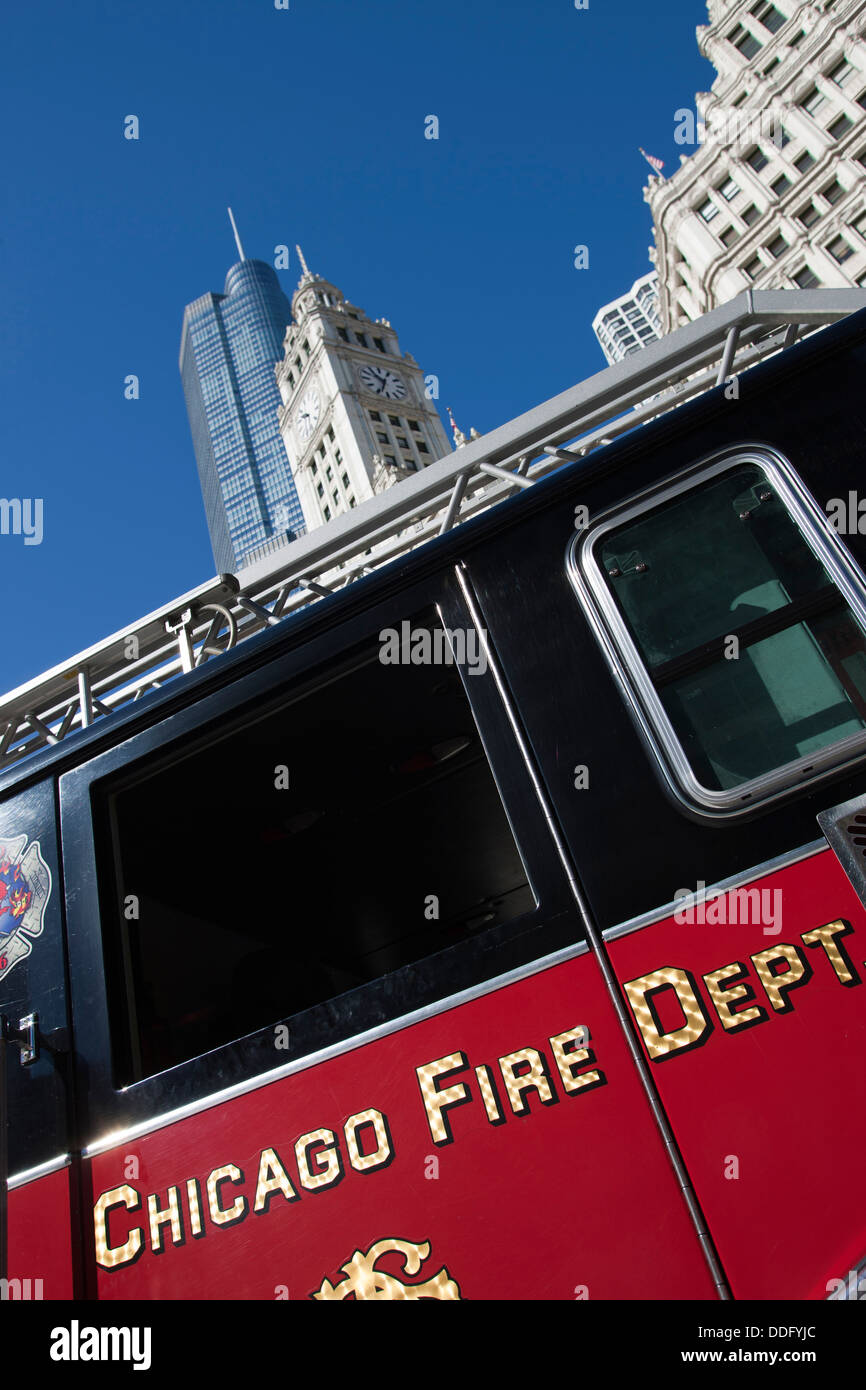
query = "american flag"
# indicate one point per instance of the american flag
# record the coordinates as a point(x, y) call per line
point(657, 164)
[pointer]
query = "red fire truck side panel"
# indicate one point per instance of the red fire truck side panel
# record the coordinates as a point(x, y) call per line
point(40, 1236)
point(573, 1198)
point(766, 1091)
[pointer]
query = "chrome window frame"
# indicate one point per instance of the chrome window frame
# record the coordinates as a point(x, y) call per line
point(630, 672)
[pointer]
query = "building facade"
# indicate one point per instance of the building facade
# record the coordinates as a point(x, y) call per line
point(627, 324)
point(356, 416)
point(772, 195)
point(230, 345)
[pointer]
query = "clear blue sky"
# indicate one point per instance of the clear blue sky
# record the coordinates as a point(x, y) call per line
point(310, 122)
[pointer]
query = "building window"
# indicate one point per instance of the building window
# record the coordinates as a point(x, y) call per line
point(362, 339)
point(781, 138)
point(768, 15)
point(390, 460)
point(750, 557)
point(808, 215)
point(345, 478)
point(860, 225)
point(843, 74)
point(415, 425)
point(796, 39)
point(314, 468)
point(336, 496)
point(327, 513)
point(741, 98)
point(745, 42)
point(379, 343)
point(338, 457)
point(291, 380)
point(306, 347)
point(352, 500)
point(840, 127)
point(833, 192)
point(803, 163)
point(756, 159)
point(771, 67)
point(320, 490)
point(401, 441)
point(394, 419)
point(750, 215)
point(382, 437)
point(780, 185)
point(814, 101)
point(374, 415)
point(805, 278)
point(343, 334)
point(777, 247)
point(421, 446)
point(329, 473)
point(728, 189)
point(840, 250)
point(708, 210)
point(753, 267)
point(330, 433)
point(728, 236)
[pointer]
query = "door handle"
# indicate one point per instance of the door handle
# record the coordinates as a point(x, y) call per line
point(25, 1037)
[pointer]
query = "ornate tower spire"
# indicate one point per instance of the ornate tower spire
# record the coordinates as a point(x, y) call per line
point(459, 436)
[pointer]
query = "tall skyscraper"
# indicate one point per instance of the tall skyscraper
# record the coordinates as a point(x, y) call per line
point(627, 324)
point(770, 190)
point(356, 415)
point(230, 345)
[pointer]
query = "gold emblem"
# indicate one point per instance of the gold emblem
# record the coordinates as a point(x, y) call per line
point(363, 1280)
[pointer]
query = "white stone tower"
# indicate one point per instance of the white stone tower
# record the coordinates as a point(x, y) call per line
point(356, 417)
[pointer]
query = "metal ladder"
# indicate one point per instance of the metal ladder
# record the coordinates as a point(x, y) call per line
point(218, 615)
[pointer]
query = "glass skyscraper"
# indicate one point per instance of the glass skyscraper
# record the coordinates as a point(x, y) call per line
point(229, 347)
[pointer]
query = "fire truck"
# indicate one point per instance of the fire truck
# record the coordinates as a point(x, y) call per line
point(467, 901)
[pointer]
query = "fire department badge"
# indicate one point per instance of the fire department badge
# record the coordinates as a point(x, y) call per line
point(364, 1281)
point(25, 887)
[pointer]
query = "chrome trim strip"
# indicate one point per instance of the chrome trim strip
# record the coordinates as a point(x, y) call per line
point(51, 1165)
point(325, 1054)
point(657, 914)
point(630, 672)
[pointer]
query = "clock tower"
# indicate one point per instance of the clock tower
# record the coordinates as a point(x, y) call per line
point(355, 417)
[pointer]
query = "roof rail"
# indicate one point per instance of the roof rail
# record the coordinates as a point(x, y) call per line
point(221, 613)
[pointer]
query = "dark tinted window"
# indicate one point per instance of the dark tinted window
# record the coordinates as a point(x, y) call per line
point(754, 654)
point(256, 901)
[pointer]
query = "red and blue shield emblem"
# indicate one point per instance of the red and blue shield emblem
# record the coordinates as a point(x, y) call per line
point(25, 887)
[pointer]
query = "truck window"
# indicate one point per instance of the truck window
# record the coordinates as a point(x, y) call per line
point(741, 649)
point(352, 831)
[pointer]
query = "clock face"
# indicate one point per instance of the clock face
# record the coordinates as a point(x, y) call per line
point(383, 382)
point(308, 414)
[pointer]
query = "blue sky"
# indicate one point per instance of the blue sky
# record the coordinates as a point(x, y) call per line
point(310, 122)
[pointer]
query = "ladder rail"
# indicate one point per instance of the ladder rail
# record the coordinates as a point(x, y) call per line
point(281, 579)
